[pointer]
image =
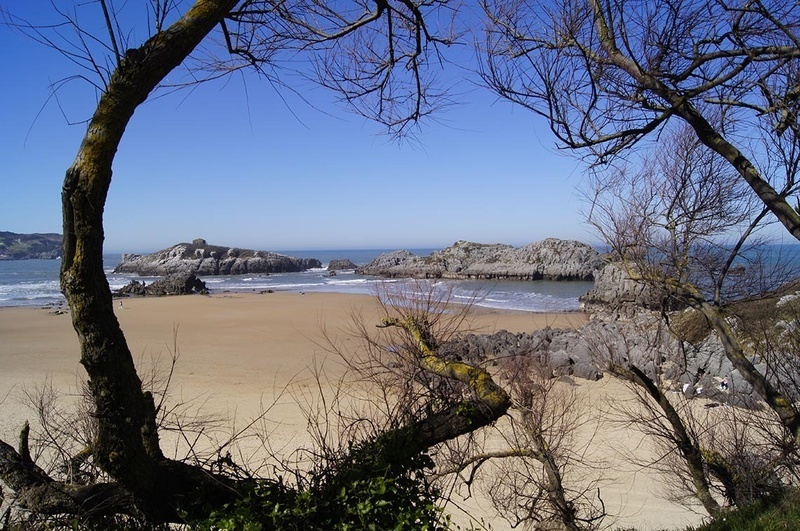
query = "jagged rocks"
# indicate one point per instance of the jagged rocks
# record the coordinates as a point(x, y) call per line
point(562, 351)
point(616, 294)
point(550, 259)
point(180, 284)
point(341, 265)
point(207, 260)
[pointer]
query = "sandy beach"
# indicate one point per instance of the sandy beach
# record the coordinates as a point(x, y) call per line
point(241, 352)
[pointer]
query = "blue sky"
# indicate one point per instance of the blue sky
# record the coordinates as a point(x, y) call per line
point(238, 163)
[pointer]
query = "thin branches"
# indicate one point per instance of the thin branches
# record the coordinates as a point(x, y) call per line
point(607, 74)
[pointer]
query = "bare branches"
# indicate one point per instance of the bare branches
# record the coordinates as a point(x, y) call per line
point(682, 217)
point(607, 74)
point(111, 33)
point(521, 462)
point(379, 56)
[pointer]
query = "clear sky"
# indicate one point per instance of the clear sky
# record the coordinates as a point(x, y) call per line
point(239, 163)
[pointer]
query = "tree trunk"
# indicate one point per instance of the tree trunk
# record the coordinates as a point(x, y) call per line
point(690, 451)
point(127, 446)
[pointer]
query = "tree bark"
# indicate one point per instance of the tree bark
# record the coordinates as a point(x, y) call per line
point(127, 446)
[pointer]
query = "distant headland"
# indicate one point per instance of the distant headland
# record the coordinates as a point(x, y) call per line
point(15, 246)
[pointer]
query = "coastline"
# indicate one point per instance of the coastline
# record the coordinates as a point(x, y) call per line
point(247, 342)
point(243, 353)
point(35, 283)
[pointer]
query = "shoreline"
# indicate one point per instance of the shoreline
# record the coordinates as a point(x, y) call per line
point(240, 354)
point(235, 341)
point(38, 285)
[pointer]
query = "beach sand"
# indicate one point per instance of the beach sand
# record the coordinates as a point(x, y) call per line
point(242, 353)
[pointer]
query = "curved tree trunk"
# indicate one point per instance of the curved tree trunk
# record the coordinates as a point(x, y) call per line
point(127, 445)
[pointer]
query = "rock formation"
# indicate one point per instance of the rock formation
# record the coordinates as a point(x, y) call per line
point(206, 260)
point(563, 351)
point(178, 284)
point(615, 293)
point(341, 265)
point(623, 329)
point(550, 259)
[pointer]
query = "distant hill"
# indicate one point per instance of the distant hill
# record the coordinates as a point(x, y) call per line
point(15, 246)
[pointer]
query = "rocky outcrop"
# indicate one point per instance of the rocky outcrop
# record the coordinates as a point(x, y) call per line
point(207, 260)
point(617, 294)
point(341, 265)
point(180, 284)
point(14, 246)
point(550, 259)
point(587, 353)
point(563, 351)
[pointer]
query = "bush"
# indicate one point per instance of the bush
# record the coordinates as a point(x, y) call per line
point(780, 513)
point(363, 492)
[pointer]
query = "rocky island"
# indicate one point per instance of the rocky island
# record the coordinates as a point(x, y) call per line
point(203, 259)
point(550, 259)
point(15, 246)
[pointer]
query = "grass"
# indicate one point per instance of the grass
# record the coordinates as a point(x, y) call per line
point(782, 514)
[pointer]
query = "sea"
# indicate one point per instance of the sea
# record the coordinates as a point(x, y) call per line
point(35, 283)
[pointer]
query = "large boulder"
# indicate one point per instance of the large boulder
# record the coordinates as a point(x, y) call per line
point(617, 295)
point(550, 259)
point(343, 264)
point(207, 260)
point(178, 284)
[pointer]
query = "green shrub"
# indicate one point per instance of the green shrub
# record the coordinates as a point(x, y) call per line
point(362, 490)
point(779, 514)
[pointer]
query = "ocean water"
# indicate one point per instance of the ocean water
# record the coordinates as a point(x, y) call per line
point(35, 283)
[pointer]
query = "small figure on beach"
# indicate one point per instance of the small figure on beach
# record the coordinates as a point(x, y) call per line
point(120, 305)
point(723, 385)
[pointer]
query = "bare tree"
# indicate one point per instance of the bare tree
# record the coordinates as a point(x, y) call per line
point(684, 228)
point(540, 477)
point(376, 54)
point(719, 456)
point(529, 462)
point(607, 74)
point(680, 224)
point(639, 355)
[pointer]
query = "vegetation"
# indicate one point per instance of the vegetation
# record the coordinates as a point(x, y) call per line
point(764, 515)
point(715, 82)
point(362, 492)
point(15, 246)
